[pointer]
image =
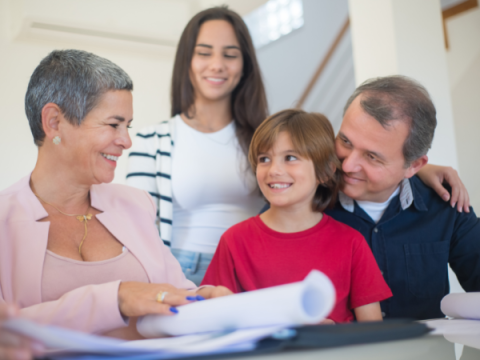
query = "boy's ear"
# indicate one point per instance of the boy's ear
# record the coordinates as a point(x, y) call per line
point(333, 167)
point(325, 179)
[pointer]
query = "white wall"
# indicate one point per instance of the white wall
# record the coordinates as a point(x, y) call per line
point(466, 107)
point(463, 59)
point(149, 69)
point(405, 37)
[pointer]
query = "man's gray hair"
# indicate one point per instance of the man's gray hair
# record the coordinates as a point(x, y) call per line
point(400, 98)
point(74, 80)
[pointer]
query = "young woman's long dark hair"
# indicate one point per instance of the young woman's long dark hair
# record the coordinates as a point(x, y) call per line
point(249, 102)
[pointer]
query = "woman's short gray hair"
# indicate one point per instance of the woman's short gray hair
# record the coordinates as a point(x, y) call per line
point(74, 80)
point(400, 98)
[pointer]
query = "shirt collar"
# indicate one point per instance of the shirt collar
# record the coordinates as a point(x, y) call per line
point(406, 197)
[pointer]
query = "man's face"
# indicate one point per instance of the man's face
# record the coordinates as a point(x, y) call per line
point(371, 155)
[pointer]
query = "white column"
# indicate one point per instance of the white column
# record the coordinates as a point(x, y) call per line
point(406, 37)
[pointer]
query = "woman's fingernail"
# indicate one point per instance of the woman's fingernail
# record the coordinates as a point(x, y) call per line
point(200, 297)
point(174, 310)
point(191, 298)
point(446, 197)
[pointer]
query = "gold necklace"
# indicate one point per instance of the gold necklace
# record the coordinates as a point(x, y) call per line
point(81, 218)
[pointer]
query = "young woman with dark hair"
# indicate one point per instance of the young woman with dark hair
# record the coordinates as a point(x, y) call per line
point(195, 164)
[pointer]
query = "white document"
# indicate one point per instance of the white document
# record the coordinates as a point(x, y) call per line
point(63, 343)
point(465, 328)
point(454, 326)
point(462, 305)
point(305, 302)
point(232, 323)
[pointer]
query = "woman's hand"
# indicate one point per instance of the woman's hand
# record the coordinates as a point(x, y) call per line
point(434, 176)
point(139, 299)
point(327, 322)
point(13, 346)
point(210, 292)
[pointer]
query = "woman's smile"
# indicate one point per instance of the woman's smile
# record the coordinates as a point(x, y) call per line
point(111, 159)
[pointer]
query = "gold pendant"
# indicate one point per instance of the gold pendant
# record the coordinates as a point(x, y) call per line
point(84, 217)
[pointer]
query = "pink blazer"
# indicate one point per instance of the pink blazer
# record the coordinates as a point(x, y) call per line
point(128, 213)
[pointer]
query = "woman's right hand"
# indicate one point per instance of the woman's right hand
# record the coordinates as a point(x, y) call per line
point(139, 299)
point(13, 346)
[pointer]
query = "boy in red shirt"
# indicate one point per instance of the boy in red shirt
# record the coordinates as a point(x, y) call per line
point(293, 156)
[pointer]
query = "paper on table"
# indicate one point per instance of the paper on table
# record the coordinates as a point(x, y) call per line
point(462, 305)
point(305, 302)
point(56, 338)
point(461, 331)
point(460, 326)
point(465, 329)
point(62, 343)
point(244, 338)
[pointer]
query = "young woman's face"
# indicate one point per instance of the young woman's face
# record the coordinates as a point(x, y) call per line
point(217, 61)
point(286, 179)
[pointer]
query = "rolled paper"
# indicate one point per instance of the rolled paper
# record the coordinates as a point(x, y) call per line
point(305, 302)
point(462, 305)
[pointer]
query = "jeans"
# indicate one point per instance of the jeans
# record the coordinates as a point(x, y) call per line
point(194, 264)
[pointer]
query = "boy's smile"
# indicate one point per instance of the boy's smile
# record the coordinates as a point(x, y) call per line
point(279, 186)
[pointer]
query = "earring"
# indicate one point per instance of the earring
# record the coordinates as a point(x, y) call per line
point(57, 140)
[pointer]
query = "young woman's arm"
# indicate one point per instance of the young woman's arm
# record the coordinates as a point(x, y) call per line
point(434, 176)
point(369, 312)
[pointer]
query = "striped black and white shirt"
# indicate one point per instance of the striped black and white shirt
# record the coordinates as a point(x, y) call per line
point(151, 170)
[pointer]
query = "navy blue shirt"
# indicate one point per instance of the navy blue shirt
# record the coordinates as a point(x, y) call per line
point(413, 247)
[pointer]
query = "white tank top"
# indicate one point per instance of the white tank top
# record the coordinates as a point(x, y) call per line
point(212, 184)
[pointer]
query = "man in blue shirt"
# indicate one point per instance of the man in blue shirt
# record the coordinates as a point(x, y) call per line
point(387, 129)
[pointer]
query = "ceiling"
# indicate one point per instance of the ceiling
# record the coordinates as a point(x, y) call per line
point(154, 25)
point(243, 7)
point(129, 25)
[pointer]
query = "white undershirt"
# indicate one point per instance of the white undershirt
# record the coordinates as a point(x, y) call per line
point(213, 187)
point(374, 209)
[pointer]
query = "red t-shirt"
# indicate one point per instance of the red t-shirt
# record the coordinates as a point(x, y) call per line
point(252, 256)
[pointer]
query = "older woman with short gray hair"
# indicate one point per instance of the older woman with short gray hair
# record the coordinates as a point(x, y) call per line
point(76, 251)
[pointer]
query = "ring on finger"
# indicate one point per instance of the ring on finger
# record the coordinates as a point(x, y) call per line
point(161, 296)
